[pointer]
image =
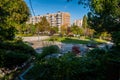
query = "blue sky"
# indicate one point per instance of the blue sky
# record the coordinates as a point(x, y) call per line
point(42, 7)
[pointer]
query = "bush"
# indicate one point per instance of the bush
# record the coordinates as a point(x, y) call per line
point(68, 67)
point(49, 50)
point(15, 59)
point(18, 47)
point(55, 69)
point(54, 38)
point(116, 38)
point(2, 56)
point(14, 53)
point(11, 59)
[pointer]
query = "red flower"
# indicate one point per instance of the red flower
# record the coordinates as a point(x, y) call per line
point(76, 49)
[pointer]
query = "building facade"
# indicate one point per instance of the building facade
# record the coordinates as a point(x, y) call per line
point(78, 22)
point(56, 19)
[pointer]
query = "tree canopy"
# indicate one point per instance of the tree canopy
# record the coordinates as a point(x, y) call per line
point(105, 15)
point(84, 24)
point(43, 25)
point(12, 14)
point(76, 30)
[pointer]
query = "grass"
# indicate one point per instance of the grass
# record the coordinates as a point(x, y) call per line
point(100, 40)
point(76, 40)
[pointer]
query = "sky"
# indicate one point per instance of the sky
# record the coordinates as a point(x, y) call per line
point(42, 7)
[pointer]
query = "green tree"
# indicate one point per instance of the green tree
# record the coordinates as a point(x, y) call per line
point(12, 14)
point(43, 25)
point(32, 29)
point(105, 17)
point(90, 32)
point(28, 28)
point(105, 35)
point(53, 30)
point(63, 30)
point(85, 25)
point(76, 30)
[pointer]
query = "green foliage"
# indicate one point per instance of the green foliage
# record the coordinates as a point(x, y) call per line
point(2, 56)
point(49, 50)
point(116, 38)
point(43, 25)
point(105, 36)
point(63, 30)
point(76, 40)
point(76, 30)
point(26, 29)
point(84, 24)
point(17, 47)
point(93, 66)
point(14, 53)
point(16, 11)
point(8, 34)
point(10, 59)
point(105, 16)
point(11, 16)
point(97, 53)
point(114, 53)
point(15, 59)
point(70, 67)
point(52, 69)
point(54, 38)
point(53, 30)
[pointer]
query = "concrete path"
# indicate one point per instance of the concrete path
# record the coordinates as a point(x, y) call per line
point(35, 38)
point(38, 45)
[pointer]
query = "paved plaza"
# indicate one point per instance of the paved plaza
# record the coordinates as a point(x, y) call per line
point(39, 43)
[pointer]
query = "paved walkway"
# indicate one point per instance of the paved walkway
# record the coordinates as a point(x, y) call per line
point(35, 38)
point(38, 45)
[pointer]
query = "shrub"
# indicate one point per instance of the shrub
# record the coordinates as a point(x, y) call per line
point(68, 67)
point(116, 38)
point(15, 59)
point(48, 50)
point(14, 53)
point(18, 46)
point(11, 59)
point(54, 38)
point(2, 56)
point(51, 49)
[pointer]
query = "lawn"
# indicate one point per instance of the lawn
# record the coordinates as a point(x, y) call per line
point(76, 40)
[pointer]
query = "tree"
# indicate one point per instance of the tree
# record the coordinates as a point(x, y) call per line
point(90, 32)
point(12, 14)
point(63, 30)
point(32, 28)
point(85, 26)
point(105, 17)
point(28, 28)
point(105, 35)
point(53, 30)
point(76, 30)
point(43, 25)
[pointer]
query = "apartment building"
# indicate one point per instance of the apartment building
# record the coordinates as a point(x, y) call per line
point(78, 22)
point(56, 19)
